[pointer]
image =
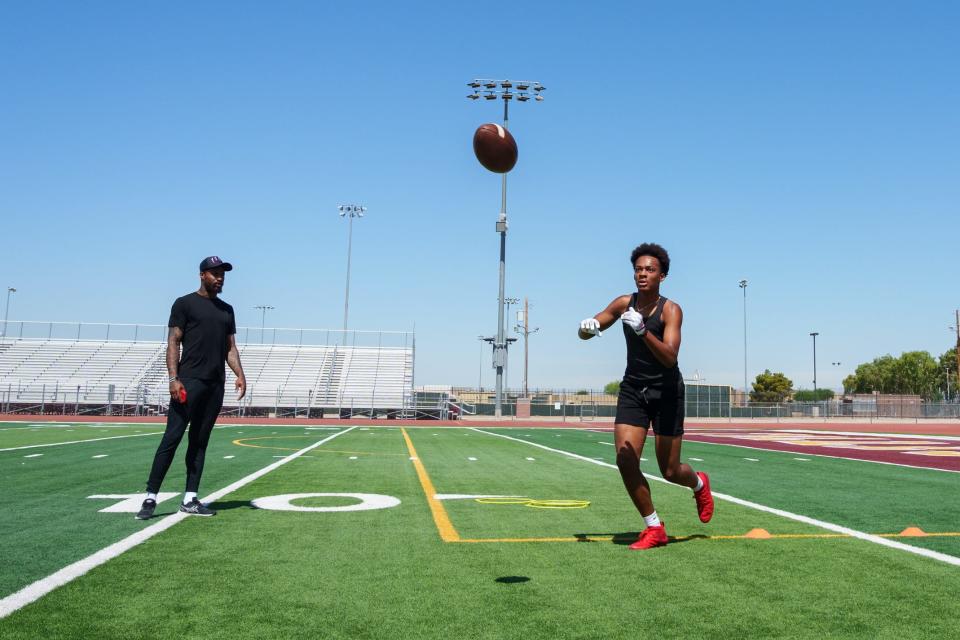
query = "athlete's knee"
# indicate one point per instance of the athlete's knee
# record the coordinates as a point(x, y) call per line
point(671, 473)
point(627, 458)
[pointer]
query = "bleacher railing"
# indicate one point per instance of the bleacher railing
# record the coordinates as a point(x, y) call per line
point(104, 331)
point(42, 391)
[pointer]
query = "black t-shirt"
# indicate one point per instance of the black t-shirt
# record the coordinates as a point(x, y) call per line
point(206, 323)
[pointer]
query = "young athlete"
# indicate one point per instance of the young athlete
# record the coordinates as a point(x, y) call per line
point(651, 392)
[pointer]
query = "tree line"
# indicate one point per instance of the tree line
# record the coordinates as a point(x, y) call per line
point(912, 373)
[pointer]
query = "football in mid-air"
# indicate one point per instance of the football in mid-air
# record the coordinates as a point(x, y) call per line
point(495, 148)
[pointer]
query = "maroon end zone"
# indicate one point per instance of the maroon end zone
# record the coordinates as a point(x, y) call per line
point(931, 452)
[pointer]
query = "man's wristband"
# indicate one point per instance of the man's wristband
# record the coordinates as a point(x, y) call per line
point(172, 379)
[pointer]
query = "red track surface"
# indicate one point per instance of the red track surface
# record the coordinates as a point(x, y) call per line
point(913, 450)
point(912, 427)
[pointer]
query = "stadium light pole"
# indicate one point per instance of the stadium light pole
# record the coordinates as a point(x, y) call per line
point(814, 335)
point(506, 90)
point(743, 285)
point(263, 317)
point(350, 211)
point(6, 311)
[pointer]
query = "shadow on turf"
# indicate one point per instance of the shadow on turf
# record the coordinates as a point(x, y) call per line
point(216, 506)
point(629, 537)
point(512, 579)
point(226, 505)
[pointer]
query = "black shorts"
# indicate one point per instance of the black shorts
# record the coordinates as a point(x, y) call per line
point(662, 407)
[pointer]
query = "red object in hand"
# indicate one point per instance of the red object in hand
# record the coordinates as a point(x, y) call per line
point(183, 395)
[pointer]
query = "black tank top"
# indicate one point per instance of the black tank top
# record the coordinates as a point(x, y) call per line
point(643, 368)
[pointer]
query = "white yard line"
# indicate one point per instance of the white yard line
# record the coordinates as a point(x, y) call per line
point(57, 444)
point(42, 587)
point(829, 526)
point(74, 425)
point(133, 435)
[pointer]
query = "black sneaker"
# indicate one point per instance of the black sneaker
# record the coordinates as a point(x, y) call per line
point(194, 508)
point(146, 509)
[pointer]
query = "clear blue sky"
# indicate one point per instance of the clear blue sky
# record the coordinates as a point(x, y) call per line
point(812, 148)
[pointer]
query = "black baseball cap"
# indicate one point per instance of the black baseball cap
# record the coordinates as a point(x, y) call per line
point(212, 262)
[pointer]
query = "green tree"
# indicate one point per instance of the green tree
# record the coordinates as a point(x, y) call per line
point(918, 374)
point(771, 387)
point(612, 388)
point(810, 395)
point(850, 383)
point(914, 373)
point(878, 375)
point(948, 361)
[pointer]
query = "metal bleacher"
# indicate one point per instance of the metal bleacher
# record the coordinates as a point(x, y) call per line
point(84, 374)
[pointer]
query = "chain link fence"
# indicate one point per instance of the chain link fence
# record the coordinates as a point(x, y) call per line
point(707, 401)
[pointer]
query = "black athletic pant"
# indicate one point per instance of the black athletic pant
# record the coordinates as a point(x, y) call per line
point(204, 399)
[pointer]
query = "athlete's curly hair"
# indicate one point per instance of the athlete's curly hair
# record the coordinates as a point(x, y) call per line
point(655, 250)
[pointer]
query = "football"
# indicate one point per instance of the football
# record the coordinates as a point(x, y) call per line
point(495, 148)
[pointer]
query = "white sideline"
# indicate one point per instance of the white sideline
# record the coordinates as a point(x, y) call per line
point(57, 444)
point(42, 587)
point(829, 526)
point(132, 435)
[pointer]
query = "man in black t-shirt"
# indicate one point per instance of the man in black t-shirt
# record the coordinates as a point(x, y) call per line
point(205, 327)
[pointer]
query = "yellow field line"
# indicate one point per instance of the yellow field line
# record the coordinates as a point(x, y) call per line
point(781, 536)
point(591, 539)
point(440, 517)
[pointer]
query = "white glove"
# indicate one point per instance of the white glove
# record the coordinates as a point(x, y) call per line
point(591, 326)
point(632, 318)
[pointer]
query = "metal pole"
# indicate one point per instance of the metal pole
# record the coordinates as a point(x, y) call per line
point(480, 374)
point(525, 330)
point(500, 347)
point(263, 317)
point(526, 347)
point(6, 311)
point(506, 361)
point(746, 390)
point(346, 298)
point(350, 211)
point(814, 335)
point(957, 349)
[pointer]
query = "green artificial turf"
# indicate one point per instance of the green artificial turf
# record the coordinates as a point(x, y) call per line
point(257, 573)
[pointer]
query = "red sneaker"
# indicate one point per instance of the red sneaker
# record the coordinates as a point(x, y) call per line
point(651, 537)
point(704, 499)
